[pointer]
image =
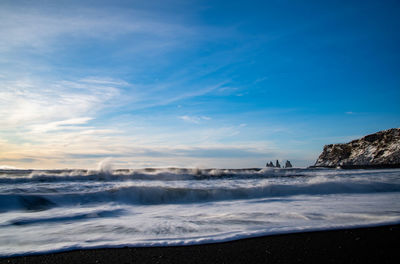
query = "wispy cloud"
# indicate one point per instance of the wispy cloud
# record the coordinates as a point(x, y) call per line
point(42, 28)
point(29, 26)
point(31, 102)
point(194, 119)
point(61, 125)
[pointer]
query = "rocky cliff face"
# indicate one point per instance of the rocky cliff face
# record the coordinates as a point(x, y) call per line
point(379, 150)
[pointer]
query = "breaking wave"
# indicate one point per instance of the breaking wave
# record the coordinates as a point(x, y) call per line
point(171, 194)
point(170, 174)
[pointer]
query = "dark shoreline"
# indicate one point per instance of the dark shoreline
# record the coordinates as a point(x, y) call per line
point(359, 245)
point(357, 167)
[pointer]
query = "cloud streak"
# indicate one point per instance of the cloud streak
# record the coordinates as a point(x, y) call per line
point(28, 26)
point(194, 119)
point(34, 103)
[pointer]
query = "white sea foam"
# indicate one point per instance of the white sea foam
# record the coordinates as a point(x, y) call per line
point(42, 211)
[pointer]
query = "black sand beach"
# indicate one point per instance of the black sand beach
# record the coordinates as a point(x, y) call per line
point(362, 245)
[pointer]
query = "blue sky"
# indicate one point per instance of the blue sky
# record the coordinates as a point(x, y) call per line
point(193, 83)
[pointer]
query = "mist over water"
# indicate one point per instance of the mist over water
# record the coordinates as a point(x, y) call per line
point(53, 210)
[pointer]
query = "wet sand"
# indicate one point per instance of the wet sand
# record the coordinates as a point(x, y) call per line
point(362, 245)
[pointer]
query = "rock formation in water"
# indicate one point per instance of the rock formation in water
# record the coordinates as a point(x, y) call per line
point(270, 164)
point(277, 165)
point(379, 150)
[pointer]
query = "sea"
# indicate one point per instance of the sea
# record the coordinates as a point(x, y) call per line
point(44, 211)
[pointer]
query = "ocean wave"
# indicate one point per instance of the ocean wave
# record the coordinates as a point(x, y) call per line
point(65, 218)
point(169, 174)
point(152, 195)
point(44, 211)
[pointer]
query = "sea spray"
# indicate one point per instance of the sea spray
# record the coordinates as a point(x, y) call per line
point(105, 166)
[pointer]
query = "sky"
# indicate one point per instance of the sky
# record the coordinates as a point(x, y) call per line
point(221, 84)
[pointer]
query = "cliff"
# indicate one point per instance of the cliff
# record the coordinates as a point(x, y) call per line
point(379, 150)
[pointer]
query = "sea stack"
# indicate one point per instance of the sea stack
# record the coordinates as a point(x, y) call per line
point(270, 164)
point(378, 150)
point(288, 164)
point(277, 165)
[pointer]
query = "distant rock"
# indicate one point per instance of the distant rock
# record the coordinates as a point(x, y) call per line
point(288, 164)
point(270, 164)
point(379, 150)
point(277, 165)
